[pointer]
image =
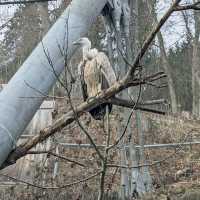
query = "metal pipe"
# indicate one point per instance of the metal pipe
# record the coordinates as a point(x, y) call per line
point(36, 73)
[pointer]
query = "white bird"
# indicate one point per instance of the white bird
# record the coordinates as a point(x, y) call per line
point(96, 74)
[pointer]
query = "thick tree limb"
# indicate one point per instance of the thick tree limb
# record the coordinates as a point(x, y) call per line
point(130, 104)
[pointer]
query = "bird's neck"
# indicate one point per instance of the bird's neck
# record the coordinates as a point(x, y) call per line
point(89, 54)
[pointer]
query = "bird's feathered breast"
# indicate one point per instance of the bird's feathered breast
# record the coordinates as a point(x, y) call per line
point(106, 68)
point(92, 77)
point(95, 70)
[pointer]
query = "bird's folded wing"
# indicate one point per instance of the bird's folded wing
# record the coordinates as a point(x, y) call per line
point(106, 68)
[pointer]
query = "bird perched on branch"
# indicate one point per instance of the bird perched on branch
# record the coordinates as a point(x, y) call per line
point(96, 74)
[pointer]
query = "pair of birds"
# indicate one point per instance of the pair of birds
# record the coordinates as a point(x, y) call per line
point(96, 74)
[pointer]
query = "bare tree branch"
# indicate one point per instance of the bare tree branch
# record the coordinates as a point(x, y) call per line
point(57, 156)
point(52, 188)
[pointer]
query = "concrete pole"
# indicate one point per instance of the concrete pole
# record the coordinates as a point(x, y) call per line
point(36, 74)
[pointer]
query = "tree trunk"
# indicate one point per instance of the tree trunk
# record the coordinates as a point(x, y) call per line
point(165, 62)
point(44, 18)
point(167, 67)
point(195, 80)
point(196, 66)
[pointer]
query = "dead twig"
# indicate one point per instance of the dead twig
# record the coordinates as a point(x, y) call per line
point(57, 156)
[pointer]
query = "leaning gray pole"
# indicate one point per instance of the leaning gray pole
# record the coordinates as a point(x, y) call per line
point(36, 74)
